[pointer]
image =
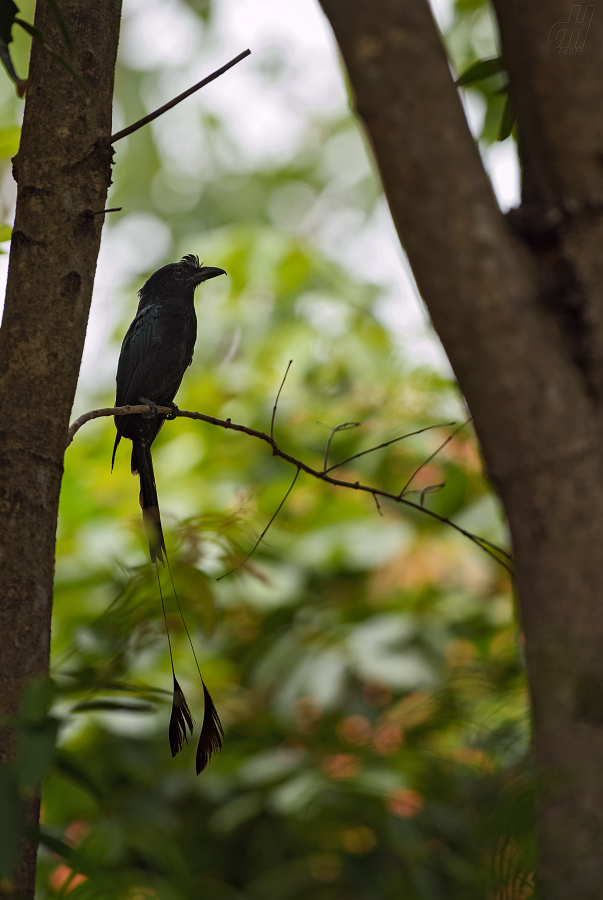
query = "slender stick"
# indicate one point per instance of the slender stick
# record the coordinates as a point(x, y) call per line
point(167, 106)
point(343, 427)
point(429, 458)
point(483, 543)
point(276, 401)
point(101, 212)
point(385, 444)
point(259, 540)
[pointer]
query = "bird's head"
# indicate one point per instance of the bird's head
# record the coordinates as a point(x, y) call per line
point(178, 280)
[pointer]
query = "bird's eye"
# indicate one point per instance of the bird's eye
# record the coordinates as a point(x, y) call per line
point(178, 273)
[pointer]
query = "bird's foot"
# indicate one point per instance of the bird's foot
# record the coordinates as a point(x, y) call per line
point(174, 411)
point(153, 408)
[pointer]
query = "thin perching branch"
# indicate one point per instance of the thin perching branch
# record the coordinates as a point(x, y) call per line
point(167, 106)
point(484, 544)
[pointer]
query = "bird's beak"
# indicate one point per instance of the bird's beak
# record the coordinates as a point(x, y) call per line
point(207, 272)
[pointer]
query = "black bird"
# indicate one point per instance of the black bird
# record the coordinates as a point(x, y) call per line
point(156, 351)
point(155, 354)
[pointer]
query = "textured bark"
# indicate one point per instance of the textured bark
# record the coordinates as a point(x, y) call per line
point(517, 304)
point(63, 173)
point(557, 96)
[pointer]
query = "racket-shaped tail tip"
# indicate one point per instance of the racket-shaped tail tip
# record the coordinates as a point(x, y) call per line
point(212, 733)
point(180, 720)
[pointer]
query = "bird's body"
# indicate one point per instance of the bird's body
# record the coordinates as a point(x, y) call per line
point(156, 351)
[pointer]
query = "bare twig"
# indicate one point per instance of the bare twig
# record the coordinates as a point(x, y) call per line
point(162, 109)
point(101, 212)
point(343, 427)
point(108, 411)
point(486, 545)
point(431, 489)
point(379, 510)
point(259, 540)
point(429, 458)
point(385, 444)
point(277, 396)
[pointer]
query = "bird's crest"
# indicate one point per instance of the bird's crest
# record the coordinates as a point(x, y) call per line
point(191, 260)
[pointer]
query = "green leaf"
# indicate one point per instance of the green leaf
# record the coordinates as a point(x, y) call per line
point(35, 751)
point(36, 702)
point(10, 137)
point(483, 68)
point(470, 5)
point(65, 764)
point(507, 122)
point(50, 841)
point(78, 860)
point(36, 735)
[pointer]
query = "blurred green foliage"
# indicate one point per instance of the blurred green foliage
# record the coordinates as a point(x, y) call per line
point(472, 43)
point(364, 662)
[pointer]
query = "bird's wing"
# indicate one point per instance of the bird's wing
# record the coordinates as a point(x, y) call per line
point(137, 357)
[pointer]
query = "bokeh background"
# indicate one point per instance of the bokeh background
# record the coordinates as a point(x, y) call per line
point(365, 663)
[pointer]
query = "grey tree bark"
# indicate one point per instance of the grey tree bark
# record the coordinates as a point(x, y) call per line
point(63, 171)
point(518, 304)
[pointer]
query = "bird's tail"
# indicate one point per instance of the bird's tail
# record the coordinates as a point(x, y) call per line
point(142, 464)
point(212, 734)
point(181, 720)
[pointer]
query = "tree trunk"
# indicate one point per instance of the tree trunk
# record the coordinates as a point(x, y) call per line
point(517, 304)
point(63, 171)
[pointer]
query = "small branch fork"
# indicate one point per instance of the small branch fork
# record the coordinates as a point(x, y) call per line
point(497, 553)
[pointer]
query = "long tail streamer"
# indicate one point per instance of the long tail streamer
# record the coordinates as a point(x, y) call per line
point(181, 717)
point(212, 733)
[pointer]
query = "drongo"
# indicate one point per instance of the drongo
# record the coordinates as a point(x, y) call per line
point(156, 351)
